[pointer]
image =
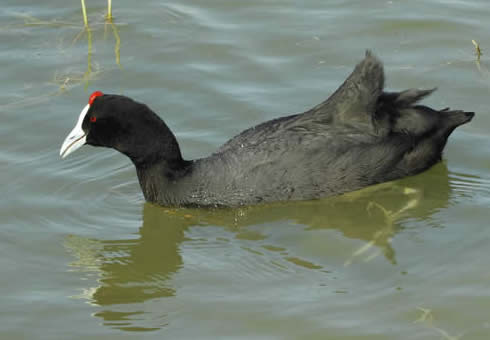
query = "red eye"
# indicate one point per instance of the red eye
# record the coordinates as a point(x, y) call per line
point(93, 119)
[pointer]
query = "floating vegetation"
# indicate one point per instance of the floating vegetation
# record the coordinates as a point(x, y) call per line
point(115, 32)
point(477, 50)
point(117, 46)
point(481, 68)
point(66, 81)
point(383, 237)
point(73, 75)
point(32, 21)
point(427, 318)
point(108, 16)
point(63, 80)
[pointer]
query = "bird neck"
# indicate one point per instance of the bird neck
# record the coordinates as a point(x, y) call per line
point(151, 143)
point(162, 181)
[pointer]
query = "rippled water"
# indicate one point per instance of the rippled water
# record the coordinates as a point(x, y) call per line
point(82, 255)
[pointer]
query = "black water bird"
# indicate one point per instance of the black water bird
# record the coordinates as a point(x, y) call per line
point(358, 137)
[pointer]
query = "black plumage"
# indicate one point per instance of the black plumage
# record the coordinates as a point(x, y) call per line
point(358, 137)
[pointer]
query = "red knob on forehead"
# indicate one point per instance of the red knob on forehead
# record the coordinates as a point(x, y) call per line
point(93, 96)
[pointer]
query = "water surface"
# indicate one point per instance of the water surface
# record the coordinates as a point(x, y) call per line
point(82, 255)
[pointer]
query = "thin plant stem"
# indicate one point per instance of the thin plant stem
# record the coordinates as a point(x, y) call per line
point(109, 10)
point(84, 12)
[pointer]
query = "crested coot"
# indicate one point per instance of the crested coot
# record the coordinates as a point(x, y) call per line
point(360, 136)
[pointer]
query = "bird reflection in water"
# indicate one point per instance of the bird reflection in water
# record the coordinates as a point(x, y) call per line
point(133, 272)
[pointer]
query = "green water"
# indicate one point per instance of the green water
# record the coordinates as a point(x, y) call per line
point(81, 254)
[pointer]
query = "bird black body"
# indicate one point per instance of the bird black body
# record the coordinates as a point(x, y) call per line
point(358, 137)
